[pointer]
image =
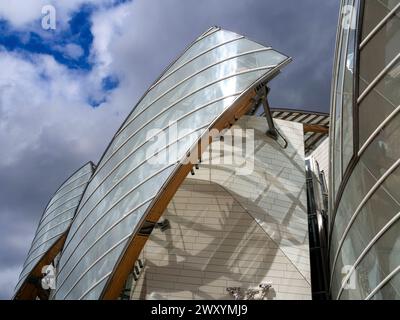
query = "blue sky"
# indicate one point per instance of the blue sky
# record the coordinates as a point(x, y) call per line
point(64, 92)
point(69, 45)
point(31, 42)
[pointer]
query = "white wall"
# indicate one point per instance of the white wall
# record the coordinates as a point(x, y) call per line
point(321, 155)
point(235, 230)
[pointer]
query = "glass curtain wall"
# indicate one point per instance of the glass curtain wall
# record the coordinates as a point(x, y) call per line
point(365, 196)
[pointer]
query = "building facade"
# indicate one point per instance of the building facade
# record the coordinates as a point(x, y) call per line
point(365, 153)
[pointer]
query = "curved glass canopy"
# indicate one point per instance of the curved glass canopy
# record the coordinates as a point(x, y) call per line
point(209, 86)
point(56, 219)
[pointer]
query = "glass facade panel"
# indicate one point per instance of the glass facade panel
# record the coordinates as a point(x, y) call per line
point(342, 123)
point(374, 12)
point(187, 93)
point(98, 271)
point(380, 155)
point(206, 43)
point(368, 223)
point(72, 185)
point(380, 261)
point(374, 161)
point(391, 290)
point(386, 95)
point(380, 50)
point(348, 96)
point(56, 218)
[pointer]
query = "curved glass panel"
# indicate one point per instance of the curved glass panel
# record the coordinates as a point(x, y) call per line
point(342, 95)
point(379, 262)
point(386, 95)
point(365, 175)
point(380, 50)
point(370, 196)
point(56, 218)
point(374, 12)
point(390, 291)
point(195, 91)
point(367, 224)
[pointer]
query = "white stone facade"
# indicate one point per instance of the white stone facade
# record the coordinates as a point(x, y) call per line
point(231, 230)
point(321, 155)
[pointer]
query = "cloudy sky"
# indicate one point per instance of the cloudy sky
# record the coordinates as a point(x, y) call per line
point(64, 92)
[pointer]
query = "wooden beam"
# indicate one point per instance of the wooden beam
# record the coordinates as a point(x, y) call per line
point(315, 128)
point(29, 290)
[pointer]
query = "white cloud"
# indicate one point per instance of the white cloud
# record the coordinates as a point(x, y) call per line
point(22, 13)
point(70, 50)
point(42, 100)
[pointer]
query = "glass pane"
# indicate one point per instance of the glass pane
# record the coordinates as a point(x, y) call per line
point(341, 74)
point(189, 89)
point(375, 161)
point(368, 223)
point(374, 12)
point(205, 44)
point(348, 92)
point(56, 219)
point(380, 260)
point(379, 103)
point(380, 50)
point(391, 290)
point(129, 177)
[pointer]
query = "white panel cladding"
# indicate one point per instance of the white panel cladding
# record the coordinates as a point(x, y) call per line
point(231, 230)
point(213, 244)
point(321, 155)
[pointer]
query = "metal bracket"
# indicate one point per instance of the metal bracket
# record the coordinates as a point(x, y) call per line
point(262, 97)
point(163, 225)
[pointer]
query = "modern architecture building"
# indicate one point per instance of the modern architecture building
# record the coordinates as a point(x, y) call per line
point(205, 192)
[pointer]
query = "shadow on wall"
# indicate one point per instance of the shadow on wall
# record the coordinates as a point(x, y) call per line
point(274, 194)
point(215, 249)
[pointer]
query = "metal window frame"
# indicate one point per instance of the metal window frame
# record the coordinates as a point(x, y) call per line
point(359, 151)
point(379, 26)
point(126, 215)
point(383, 283)
point(334, 202)
point(360, 206)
